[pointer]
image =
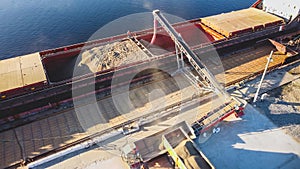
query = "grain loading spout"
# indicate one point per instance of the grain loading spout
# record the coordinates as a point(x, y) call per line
point(194, 60)
point(218, 114)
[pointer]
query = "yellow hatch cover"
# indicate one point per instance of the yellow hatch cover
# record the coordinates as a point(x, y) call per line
point(236, 21)
point(21, 71)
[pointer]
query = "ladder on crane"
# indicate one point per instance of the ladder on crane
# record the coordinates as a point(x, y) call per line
point(215, 116)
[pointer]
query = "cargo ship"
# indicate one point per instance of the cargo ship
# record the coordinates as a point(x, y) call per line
point(44, 80)
point(40, 80)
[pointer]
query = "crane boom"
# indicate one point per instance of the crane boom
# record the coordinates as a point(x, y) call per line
point(194, 60)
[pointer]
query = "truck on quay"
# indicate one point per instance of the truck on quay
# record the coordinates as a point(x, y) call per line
point(168, 149)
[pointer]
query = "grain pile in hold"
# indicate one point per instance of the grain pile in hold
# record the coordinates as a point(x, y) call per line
point(112, 55)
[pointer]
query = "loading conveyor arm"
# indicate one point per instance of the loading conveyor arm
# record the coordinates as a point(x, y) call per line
point(192, 57)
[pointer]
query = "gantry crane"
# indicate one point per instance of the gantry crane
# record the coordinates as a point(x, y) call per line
point(207, 122)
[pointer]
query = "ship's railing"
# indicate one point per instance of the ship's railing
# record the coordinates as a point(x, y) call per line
point(93, 43)
point(255, 4)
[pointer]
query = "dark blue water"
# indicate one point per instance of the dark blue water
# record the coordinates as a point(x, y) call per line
point(27, 26)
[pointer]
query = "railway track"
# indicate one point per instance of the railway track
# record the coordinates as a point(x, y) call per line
point(61, 126)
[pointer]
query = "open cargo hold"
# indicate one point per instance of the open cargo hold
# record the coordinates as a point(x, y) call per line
point(240, 22)
point(93, 60)
point(193, 34)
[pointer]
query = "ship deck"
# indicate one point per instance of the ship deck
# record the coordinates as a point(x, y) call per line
point(242, 65)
